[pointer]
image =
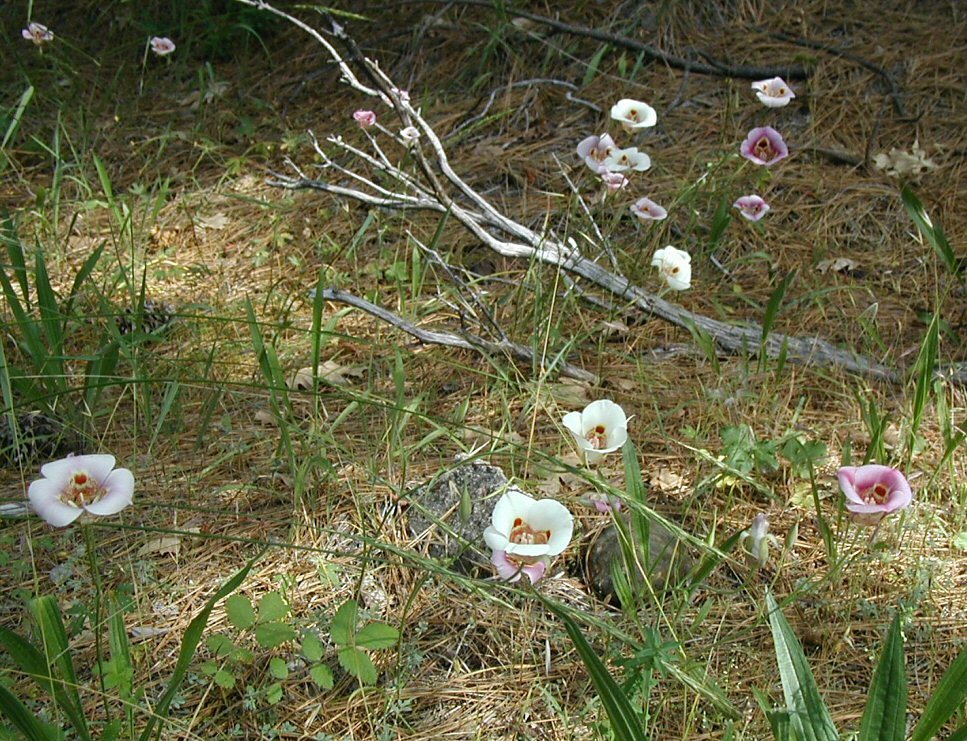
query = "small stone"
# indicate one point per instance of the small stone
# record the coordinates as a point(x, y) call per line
point(667, 561)
point(440, 500)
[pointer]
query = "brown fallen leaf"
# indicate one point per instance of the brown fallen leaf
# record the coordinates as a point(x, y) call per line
point(165, 544)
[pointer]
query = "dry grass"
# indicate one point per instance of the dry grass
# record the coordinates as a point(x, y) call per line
point(472, 658)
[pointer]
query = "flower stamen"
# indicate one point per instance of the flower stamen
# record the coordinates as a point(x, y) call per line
point(82, 490)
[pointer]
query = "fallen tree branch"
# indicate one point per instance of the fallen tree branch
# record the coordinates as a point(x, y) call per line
point(445, 192)
point(895, 94)
point(449, 339)
point(714, 67)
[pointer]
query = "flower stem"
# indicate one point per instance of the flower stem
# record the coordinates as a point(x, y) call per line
point(91, 548)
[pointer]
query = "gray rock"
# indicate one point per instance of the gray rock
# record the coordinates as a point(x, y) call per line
point(435, 517)
point(667, 562)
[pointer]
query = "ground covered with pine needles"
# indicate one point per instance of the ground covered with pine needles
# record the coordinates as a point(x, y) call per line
point(165, 162)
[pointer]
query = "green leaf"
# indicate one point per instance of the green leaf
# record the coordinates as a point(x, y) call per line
point(273, 693)
point(270, 635)
point(278, 668)
point(240, 612)
point(189, 643)
point(933, 233)
point(220, 644)
point(946, 699)
point(358, 664)
point(779, 719)
point(312, 647)
point(208, 668)
point(224, 679)
point(272, 607)
point(344, 623)
point(322, 676)
point(772, 308)
point(810, 717)
point(960, 541)
point(377, 635)
point(23, 720)
point(625, 724)
point(885, 717)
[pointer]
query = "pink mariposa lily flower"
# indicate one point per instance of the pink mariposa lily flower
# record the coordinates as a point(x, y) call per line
point(647, 210)
point(594, 150)
point(752, 207)
point(764, 146)
point(162, 45)
point(873, 491)
point(365, 119)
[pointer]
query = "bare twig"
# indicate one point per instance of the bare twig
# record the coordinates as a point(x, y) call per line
point(895, 94)
point(714, 67)
point(465, 341)
point(444, 191)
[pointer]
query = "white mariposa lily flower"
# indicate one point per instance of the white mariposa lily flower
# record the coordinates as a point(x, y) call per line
point(600, 429)
point(525, 534)
point(37, 33)
point(80, 484)
point(675, 266)
point(627, 159)
point(633, 115)
point(774, 93)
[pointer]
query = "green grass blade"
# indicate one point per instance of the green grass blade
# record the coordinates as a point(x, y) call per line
point(885, 717)
point(50, 625)
point(945, 701)
point(810, 717)
point(123, 666)
point(15, 253)
point(923, 372)
point(50, 318)
point(189, 644)
point(32, 662)
point(933, 233)
point(772, 308)
point(625, 723)
point(23, 720)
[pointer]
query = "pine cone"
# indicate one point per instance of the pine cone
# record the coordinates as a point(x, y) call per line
point(156, 316)
point(39, 437)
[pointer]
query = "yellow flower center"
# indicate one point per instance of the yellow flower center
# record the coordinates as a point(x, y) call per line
point(598, 437)
point(524, 534)
point(82, 490)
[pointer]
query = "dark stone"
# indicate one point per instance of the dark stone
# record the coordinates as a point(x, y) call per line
point(667, 562)
point(434, 513)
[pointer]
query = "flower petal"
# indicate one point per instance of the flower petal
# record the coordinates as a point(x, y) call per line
point(506, 569)
point(98, 466)
point(535, 571)
point(119, 486)
point(496, 540)
point(44, 495)
point(548, 514)
point(529, 550)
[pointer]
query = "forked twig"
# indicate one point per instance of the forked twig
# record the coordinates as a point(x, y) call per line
point(445, 191)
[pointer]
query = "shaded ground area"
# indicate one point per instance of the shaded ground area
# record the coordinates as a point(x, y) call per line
point(185, 144)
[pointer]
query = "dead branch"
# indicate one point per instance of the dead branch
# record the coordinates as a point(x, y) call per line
point(714, 66)
point(466, 341)
point(443, 190)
